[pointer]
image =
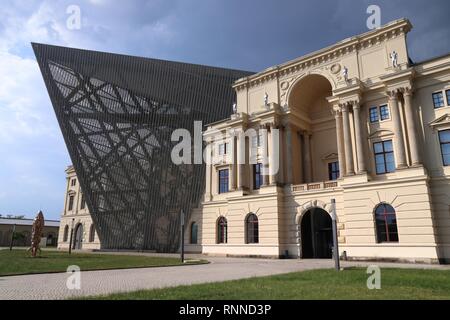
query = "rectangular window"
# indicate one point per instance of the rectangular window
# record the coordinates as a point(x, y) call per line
point(257, 176)
point(373, 114)
point(223, 148)
point(384, 157)
point(73, 182)
point(333, 170)
point(70, 203)
point(223, 181)
point(447, 93)
point(444, 140)
point(83, 202)
point(384, 112)
point(438, 99)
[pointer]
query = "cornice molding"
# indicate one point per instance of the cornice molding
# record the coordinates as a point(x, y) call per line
point(328, 54)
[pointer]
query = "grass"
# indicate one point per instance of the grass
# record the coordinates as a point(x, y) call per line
point(17, 262)
point(315, 284)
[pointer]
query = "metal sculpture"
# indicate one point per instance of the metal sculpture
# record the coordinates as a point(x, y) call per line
point(36, 233)
point(117, 114)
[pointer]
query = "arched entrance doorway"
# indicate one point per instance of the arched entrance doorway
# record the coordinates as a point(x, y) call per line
point(78, 239)
point(316, 234)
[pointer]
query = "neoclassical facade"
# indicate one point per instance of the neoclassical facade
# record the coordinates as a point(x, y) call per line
point(357, 122)
point(76, 219)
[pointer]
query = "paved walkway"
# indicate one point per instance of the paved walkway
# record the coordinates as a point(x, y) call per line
point(53, 286)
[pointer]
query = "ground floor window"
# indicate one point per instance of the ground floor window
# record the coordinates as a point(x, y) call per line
point(66, 233)
point(222, 230)
point(92, 233)
point(252, 228)
point(386, 223)
point(194, 233)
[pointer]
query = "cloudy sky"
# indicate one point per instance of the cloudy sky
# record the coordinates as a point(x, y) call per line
point(242, 34)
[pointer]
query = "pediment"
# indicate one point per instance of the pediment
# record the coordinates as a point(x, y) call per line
point(441, 121)
point(380, 133)
point(330, 156)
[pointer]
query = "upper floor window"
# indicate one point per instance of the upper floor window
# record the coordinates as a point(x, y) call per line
point(447, 93)
point(438, 99)
point(384, 112)
point(386, 223)
point(379, 113)
point(73, 182)
point(223, 181)
point(444, 140)
point(257, 140)
point(223, 148)
point(71, 198)
point(384, 157)
point(83, 202)
point(257, 176)
point(373, 114)
point(333, 170)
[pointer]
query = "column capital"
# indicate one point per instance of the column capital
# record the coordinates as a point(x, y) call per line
point(407, 91)
point(392, 94)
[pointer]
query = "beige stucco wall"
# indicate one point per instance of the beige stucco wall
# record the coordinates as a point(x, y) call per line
point(419, 193)
point(72, 218)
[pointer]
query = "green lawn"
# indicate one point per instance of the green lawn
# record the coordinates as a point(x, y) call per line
point(316, 284)
point(20, 262)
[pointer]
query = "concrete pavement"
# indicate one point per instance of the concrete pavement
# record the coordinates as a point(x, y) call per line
point(53, 286)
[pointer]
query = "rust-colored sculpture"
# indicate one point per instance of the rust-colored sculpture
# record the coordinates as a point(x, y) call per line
point(36, 232)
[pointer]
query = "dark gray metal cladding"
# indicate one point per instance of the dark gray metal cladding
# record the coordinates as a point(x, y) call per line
point(117, 114)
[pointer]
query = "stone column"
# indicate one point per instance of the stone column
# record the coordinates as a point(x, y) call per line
point(347, 141)
point(399, 144)
point(208, 177)
point(241, 160)
point(232, 160)
point(288, 154)
point(274, 155)
point(359, 138)
point(340, 142)
point(412, 128)
point(265, 164)
point(307, 156)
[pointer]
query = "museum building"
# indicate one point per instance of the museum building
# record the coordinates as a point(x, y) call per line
point(358, 122)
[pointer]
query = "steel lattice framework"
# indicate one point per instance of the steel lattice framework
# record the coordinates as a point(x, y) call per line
point(117, 114)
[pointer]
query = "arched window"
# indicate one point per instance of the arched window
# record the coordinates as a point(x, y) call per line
point(66, 233)
point(92, 233)
point(194, 232)
point(251, 228)
point(222, 230)
point(386, 223)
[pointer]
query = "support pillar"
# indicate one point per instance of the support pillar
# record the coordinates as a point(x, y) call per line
point(399, 144)
point(307, 156)
point(347, 141)
point(340, 141)
point(411, 126)
point(359, 138)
